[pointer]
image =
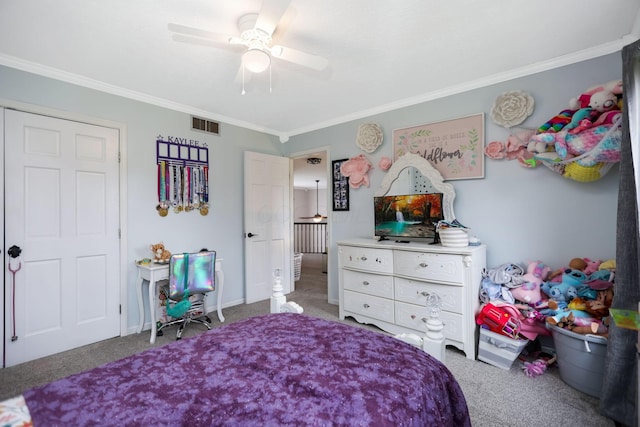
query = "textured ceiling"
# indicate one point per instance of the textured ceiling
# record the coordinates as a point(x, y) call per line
point(382, 54)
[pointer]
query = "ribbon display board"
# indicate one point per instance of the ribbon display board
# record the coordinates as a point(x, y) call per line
point(183, 176)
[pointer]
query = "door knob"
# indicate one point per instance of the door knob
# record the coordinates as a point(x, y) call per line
point(251, 235)
point(14, 251)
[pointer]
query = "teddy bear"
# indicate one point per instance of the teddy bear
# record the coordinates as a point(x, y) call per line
point(160, 254)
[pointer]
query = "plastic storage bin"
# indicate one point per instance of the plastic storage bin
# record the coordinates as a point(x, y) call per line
point(499, 350)
point(297, 266)
point(580, 359)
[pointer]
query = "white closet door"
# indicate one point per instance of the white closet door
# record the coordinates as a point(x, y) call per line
point(61, 209)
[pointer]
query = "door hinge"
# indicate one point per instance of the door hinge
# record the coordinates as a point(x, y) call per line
point(119, 233)
point(120, 309)
point(118, 157)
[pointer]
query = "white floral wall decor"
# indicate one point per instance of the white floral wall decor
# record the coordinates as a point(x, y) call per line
point(512, 108)
point(369, 137)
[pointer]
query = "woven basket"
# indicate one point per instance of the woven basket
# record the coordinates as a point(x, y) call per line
point(454, 237)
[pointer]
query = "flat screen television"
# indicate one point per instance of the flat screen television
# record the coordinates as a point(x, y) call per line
point(407, 216)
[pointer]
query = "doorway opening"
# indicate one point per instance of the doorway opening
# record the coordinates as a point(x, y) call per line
point(310, 211)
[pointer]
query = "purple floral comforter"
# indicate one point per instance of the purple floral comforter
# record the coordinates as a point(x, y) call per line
point(272, 370)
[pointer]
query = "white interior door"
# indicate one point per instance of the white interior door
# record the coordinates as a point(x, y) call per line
point(62, 210)
point(267, 224)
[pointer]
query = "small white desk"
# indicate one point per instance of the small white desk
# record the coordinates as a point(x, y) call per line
point(153, 273)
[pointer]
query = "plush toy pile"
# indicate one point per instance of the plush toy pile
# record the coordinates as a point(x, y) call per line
point(580, 142)
point(519, 303)
point(576, 297)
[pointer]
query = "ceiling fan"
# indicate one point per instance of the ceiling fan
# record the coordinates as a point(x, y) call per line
point(255, 31)
point(317, 217)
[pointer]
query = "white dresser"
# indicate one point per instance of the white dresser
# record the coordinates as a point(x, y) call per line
point(386, 284)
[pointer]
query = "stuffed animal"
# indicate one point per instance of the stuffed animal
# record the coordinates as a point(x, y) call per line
point(593, 106)
point(568, 145)
point(609, 264)
point(574, 264)
point(557, 122)
point(589, 129)
point(160, 254)
point(566, 290)
point(529, 291)
point(603, 93)
point(574, 317)
point(579, 322)
point(597, 308)
point(592, 266)
point(582, 119)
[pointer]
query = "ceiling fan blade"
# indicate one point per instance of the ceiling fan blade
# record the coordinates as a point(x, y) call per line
point(198, 41)
point(308, 60)
point(270, 14)
point(197, 32)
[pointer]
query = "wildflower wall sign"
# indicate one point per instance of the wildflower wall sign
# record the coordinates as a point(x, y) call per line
point(454, 147)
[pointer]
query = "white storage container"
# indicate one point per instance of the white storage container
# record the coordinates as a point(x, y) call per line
point(454, 237)
point(499, 350)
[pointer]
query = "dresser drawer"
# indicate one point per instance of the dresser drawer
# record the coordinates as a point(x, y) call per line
point(372, 284)
point(415, 317)
point(368, 305)
point(415, 292)
point(429, 266)
point(370, 259)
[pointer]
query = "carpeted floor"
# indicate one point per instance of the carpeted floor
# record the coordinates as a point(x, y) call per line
point(495, 397)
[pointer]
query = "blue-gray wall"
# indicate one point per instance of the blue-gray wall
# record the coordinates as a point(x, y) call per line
point(221, 229)
point(520, 214)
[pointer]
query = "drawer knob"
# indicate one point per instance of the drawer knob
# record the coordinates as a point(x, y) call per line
point(424, 264)
point(424, 293)
point(365, 283)
point(424, 320)
point(366, 305)
point(364, 258)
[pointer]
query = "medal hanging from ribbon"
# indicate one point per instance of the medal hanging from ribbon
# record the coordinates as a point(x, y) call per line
point(183, 178)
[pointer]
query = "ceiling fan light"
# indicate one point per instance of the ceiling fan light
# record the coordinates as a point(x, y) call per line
point(317, 218)
point(256, 60)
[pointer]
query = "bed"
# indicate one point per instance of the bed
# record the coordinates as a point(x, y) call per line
point(271, 370)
